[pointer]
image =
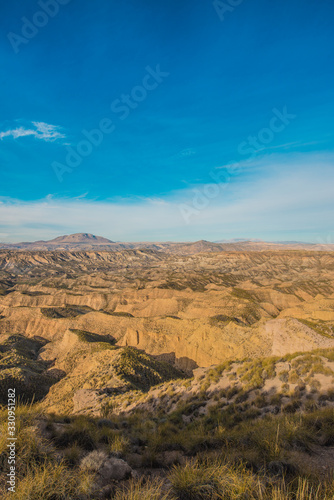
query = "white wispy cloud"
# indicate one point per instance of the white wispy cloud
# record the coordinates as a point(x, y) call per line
point(293, 196)
point(39, 130)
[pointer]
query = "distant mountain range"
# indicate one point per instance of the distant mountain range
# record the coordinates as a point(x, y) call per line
point(78, 239)
point(90, 242)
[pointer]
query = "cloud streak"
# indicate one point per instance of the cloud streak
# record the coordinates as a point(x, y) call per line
point(40, 130)
point(294, 200)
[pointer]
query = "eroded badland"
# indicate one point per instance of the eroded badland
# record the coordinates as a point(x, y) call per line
point(165, 356)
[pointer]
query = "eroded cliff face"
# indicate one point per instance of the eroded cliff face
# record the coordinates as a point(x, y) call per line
point(197, 310)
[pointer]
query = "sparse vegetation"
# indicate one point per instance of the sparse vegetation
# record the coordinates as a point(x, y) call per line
point(143, 371)
point(120, 314)
point(65, 312)
point(239, 293)
point(321, 327)
point(93, 337)
point(254, 460)
point(20, 368)
point(51, 481)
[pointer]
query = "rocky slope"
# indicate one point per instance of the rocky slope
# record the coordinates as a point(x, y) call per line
point(255, 429)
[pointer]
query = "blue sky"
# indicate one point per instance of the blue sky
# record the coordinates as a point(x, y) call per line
point(209, 121)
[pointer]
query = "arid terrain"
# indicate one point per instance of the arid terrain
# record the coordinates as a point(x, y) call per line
point(155, 359)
